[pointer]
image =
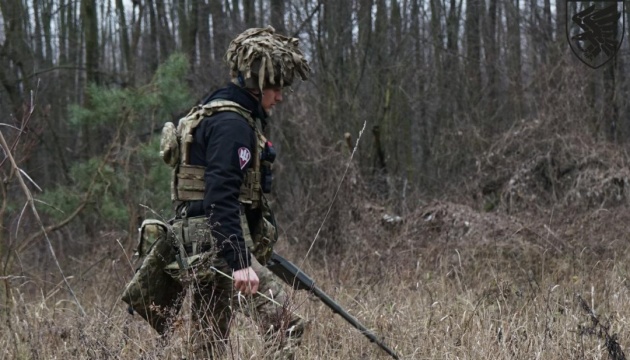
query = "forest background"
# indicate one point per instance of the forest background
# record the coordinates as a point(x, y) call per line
point(459, 175)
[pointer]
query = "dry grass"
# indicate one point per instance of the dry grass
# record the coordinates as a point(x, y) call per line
point(449, 283)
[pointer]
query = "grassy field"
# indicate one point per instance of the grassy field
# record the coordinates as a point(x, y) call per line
point(449, 282)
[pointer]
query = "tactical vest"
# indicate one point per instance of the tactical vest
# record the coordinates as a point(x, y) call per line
point(188, 183)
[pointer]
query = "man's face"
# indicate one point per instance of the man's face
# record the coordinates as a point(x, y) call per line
point(270, 97)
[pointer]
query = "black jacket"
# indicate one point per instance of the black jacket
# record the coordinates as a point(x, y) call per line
point(222, 143)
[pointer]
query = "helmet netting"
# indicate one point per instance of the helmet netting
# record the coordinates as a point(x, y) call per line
point(272, 58)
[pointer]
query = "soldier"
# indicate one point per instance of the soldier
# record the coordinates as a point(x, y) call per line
point(220, 177)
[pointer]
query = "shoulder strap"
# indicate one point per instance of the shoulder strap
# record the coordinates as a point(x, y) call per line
point(227, 105)
point(199, 112)
point(188, 123)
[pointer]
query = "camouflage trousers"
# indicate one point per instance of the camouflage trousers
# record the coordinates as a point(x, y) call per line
point(214, 301)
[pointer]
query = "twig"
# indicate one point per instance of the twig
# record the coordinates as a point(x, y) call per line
point(239, 293)
point(319, 5)
point(31, 203)
point(29, 179)
point(26, 243)
point(336, 193)
point(25, 122)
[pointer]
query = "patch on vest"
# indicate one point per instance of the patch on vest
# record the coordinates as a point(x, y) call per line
point(244, 155)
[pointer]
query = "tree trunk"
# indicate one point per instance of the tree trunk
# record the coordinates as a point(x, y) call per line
point(89, 23)
point(512, 14)
point(89, 27)
point(219, 29)
point(547, 30)
point(235, 14)
point(205, 50)
point(135, 40)
point(561, 20)
point(153, 53)
point(420, 130)
point(365, 24)
point(277, 16)
point(188, 28)
point(16, 55)
point(39, 48)
point(450, 86)
point(124, 38)
point(491, 50)
point(396, 24)
point(165, 34)
point(249, 12)
point(473, 51)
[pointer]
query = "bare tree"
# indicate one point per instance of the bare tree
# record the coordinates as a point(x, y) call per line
point(514, 56)
point(473, 53)
point(89, 22)
point(277, 16)
point(249, 12)
point(124, 37)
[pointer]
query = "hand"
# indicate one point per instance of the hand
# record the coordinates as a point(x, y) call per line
point(246, 281)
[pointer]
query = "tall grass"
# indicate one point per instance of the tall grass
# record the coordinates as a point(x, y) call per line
point(483, 294)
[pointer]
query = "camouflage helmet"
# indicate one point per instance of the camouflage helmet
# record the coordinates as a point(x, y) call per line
point(263, 58)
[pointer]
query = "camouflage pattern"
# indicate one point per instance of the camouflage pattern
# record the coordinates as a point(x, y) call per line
point(152, 293)
point(198, 269)
point(264, 235)
point(195, 233)
point(169, 147)
point(214, 301)
point(270, 58)
point(149, 232)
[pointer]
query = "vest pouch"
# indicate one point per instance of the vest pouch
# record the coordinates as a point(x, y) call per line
point(194, 234)
point(169, 146)
point(152, 293)
point(189, 182)
point(149, 233)
point(197, 251)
